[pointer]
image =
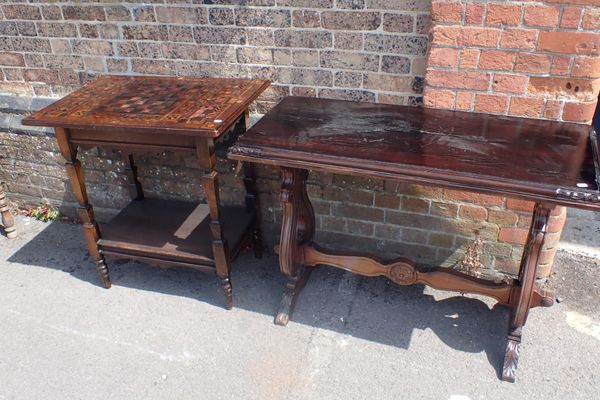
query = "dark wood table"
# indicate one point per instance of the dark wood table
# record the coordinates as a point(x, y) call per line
point(156, 114)
point(550, 163)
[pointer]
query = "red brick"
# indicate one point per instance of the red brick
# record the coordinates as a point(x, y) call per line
point(443, 57)
point(519, 205)
point(544, 270)
point(579, 112)
point(507, 265)
point(570, 18)
point(553, 109)
point(585, 89)
point(533, 63)
point(436, 98)
point(509, 83)
point(552, 240)
point(526, 106)
point(496, 60)
point(458, 79)
point(480, 37)
point(501, 217)
point(446, 35)
point(580, 2)
point(12, 59)
point(385, 200)
point(443, 209)
point(539, 15)
point(469, 58)
point(560, 65)
point(474, 213)
point(586, 67)
point(447, 11)
point(557, 223)
point(490, 103)
point(513, 235)
point(464, 101)
point(591, 19)
point(503, 14)
point(546, 258)
point(415, 204)
point(465, 36)
point(472, 197)
point(518, 39)
point(570, 42)
point(474, 13)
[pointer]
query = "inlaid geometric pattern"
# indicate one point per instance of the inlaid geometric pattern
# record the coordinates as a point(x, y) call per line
point(203, 105)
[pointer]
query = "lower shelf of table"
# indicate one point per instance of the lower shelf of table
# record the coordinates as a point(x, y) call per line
point(172, 232)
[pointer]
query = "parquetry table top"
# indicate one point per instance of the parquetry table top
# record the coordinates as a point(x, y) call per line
point(202, 106)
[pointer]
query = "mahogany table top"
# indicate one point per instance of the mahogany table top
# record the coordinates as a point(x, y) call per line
point(535, 159)
point(189, 105)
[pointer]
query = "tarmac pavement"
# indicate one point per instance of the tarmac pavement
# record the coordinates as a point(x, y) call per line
point(163, 334)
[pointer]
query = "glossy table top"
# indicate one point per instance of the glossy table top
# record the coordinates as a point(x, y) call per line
point(199, 106)
point(471, 150)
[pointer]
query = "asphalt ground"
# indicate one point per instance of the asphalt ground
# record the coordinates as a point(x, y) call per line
point(163, 334)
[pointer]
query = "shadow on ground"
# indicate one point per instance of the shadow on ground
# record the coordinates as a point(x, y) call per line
point(373, 309)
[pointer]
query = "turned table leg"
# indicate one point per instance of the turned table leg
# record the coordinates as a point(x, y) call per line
point(7, 219)
point(85, 210)
point(253, 207)
point(210, 181)
point(522, 300)
point(251, 198)
point(297, 228)
point(134, 186)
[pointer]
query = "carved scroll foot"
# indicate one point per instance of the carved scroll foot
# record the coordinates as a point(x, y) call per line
point(511, 359)
point(290, 295)
point(103, 272)
point(257, 244)
point(228, 291)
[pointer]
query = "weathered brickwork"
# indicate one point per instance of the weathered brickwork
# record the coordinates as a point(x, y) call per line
point(537, 59)
point(359, 50)
point(486, 56)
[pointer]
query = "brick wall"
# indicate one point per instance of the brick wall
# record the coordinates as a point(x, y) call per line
point(537, 59)
point(367, 50)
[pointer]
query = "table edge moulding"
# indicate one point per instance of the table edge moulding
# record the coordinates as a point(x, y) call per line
point(406, 144)
point(138, 114)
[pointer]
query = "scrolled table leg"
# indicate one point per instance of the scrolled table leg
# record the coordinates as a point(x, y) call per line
point(521, 302)
point(297, 228)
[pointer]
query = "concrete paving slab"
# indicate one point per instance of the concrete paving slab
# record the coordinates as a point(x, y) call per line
point(160, 334)
point(581, 233)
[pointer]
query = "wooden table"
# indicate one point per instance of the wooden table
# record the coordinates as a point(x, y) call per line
point(8, 221)
point(156, 114)
point(550, 163)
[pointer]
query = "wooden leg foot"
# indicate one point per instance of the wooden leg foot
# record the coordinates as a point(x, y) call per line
point(290, 295)
point(228, 291)
point(103, 272)
point(511, 359)
point(11, 232)
point(257, 244)
point(7, 219)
